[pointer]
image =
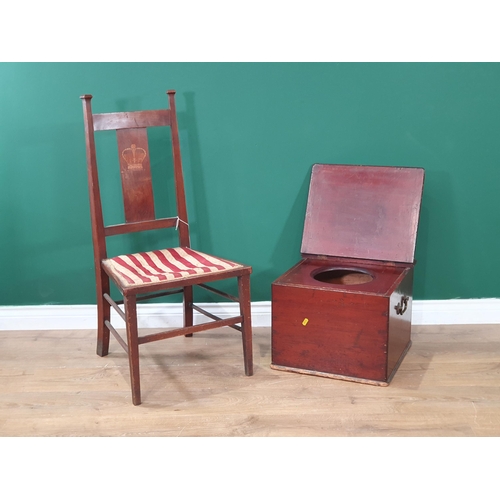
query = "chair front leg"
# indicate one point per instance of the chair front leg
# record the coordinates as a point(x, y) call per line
point(246, 323)
point(188, 307)
point(130, 304)
point(103, 314)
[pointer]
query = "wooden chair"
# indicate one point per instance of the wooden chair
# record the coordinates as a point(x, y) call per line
point(149, 274)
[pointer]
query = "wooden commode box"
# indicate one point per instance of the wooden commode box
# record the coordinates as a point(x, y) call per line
point(344, 310)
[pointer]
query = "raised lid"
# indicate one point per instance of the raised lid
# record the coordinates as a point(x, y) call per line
point(363, 212)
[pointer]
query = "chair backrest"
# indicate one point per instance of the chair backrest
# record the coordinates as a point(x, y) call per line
point(135, 171)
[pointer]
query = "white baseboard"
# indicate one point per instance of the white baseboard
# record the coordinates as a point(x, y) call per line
point(76, 317)
point(456, 312)
point(80, 317)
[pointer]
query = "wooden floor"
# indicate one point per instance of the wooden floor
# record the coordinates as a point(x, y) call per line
point(53, 384)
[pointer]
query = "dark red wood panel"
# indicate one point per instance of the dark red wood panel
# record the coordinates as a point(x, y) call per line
point(135, 172)
point(363, 212)
point(383, 282)
point(400, 324)
point(330, 332)
point(133, 119)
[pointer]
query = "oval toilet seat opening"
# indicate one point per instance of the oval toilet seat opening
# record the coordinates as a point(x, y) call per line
point(342, 276)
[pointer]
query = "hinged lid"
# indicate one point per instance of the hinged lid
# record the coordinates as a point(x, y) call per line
point(363, 212)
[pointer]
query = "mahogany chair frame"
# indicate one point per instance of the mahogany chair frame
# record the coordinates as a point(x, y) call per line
point(140, 216)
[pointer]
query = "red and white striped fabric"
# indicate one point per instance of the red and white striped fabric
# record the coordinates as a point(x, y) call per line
point(164, 265)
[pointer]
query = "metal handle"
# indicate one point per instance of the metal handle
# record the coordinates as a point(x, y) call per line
point(402, 306)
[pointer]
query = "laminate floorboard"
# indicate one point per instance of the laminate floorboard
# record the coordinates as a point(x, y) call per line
point(53, 384)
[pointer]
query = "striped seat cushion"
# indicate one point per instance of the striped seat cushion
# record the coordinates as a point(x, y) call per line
point(164, 265)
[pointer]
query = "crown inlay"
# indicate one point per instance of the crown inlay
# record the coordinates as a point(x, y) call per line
point(134, 157)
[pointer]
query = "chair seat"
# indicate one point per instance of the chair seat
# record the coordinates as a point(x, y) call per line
point(166, 265)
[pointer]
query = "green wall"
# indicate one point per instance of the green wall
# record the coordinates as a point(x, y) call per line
point(249, 135)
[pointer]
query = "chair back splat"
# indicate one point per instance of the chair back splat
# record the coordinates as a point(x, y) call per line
point(152, 273)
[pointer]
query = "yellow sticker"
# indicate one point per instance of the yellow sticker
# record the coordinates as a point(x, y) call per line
point(305, 321)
